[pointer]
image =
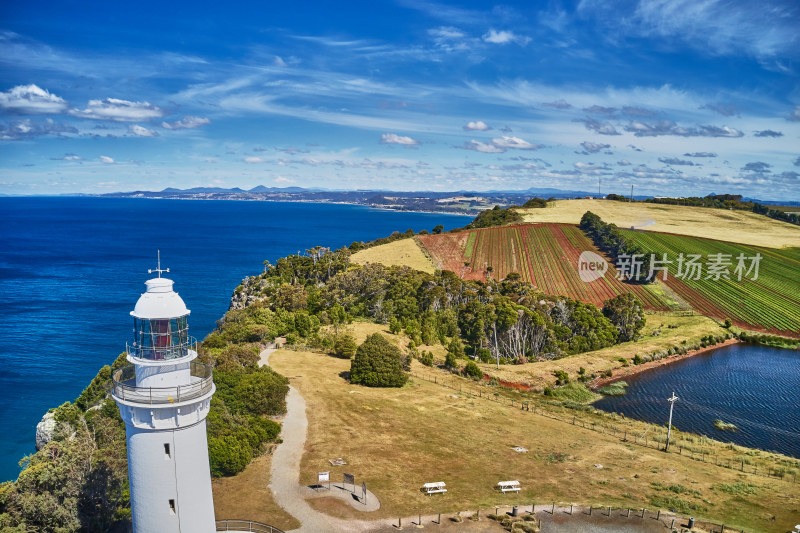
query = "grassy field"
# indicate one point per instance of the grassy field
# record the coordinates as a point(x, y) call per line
point(770, 302)
point(403, 252)
point(735, 226)
point(247, 495)
point(398, 439)
point(545, 255)
point(660, 332)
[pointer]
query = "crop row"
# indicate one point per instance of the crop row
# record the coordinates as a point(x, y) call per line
point(545, 255)
point(771, 301)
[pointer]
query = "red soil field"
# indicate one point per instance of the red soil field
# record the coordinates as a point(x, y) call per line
point(545, 255)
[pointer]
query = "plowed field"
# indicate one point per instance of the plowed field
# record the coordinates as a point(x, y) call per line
point(545, 255)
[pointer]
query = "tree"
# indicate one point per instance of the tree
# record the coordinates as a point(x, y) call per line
point(378, 363)
point(473, 371)
point(626, 313)
point(437, 229)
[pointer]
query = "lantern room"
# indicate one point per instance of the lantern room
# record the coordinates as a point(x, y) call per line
point(160, 326)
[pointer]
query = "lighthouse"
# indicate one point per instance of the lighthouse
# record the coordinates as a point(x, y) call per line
point(164, 396)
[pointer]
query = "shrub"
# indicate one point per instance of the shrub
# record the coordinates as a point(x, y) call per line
point(378, 363)
point(450, 360)
point(426, 358)
point(637, 359)
point(473, 371)
point(344, 345)
point(562, 378)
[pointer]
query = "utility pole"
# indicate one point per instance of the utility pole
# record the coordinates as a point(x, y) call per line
point(599, 194)
point(669, 429)
point(631, 193)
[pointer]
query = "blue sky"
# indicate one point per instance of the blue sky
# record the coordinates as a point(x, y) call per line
point(680, 97)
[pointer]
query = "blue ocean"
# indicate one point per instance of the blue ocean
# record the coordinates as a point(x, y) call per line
point(71, 270)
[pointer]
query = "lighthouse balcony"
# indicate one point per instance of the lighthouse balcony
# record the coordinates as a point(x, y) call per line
point(124, 387)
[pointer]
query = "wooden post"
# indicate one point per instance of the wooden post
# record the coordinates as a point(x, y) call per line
point(420, 520)
point(570, 509)
point(673, 524)
point(439, 521)
point(609, 510)
point(629, 513)
point(590, 510)
point(553, 511)
point(643, 509)
point(658, 516)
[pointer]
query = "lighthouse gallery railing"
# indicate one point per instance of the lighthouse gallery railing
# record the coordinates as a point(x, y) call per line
point(124, 386)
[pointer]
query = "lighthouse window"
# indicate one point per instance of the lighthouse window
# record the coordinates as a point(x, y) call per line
point(161, 338)
point(172, 507)
point(166, 451)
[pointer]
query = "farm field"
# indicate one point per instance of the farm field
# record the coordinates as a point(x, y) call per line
point(545, 255)
point(397, 439)
point(736, 226)
point(403, 252)
point(770, 302)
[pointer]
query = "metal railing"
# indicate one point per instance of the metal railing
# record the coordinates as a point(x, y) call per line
point(246, 525)
point(124, 386)
point(167, 353)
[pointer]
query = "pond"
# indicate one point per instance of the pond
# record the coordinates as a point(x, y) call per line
point(757, 388)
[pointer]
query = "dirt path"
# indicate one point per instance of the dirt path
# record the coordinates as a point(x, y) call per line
point(285, 473)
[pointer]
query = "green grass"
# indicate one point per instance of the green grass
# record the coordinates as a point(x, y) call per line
point(772, 301)
point(725, 426)
point(574, 392)
point(737, 488)
point(614, 389)
point(470, 244)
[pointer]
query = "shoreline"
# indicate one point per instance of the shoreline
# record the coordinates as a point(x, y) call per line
point(628, 371)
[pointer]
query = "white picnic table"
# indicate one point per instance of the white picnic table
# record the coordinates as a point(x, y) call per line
point(508, 486)
point(435, 487)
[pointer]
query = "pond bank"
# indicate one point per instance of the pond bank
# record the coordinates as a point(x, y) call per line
point(628, 371)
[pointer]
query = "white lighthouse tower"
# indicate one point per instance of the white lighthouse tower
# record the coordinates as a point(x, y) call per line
point(164, 397)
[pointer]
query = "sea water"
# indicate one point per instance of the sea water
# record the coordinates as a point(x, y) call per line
point(71, 270)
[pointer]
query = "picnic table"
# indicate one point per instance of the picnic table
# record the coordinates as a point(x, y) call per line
point(508, 486)
point(433, 488)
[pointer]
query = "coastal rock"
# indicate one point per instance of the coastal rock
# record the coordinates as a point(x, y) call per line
point(247, 292)
point(45, 430)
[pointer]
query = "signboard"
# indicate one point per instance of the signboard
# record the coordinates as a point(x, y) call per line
point(364, 491)
point(323, 476)
point(349, 478)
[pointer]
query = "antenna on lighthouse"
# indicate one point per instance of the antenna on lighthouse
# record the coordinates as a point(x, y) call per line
point(159, 269)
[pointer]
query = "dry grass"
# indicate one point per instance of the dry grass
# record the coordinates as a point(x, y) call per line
point(734, 226)
point(247, 496)
point(398, 439)
point(540, 374)
point(403, 252)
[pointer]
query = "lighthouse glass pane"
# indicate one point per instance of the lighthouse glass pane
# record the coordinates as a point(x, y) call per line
point(161, 339)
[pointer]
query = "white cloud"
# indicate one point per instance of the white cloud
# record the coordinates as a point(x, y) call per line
point(391, 138)
point(119, 110)
point(186, 122)
point(477, 126)
point(282, 180)
point(446, 32)
point(761, 29)
point(486, 148)
point(515, 143)
point(593, 148)
point(107, 160)
point(254, 160)
point(27, 129)
point(141, 131)
point(794, 116)
point(31, 99)
point(504, 37)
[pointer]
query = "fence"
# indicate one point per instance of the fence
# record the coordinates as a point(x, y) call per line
point(603, 422)
point(246, 525)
